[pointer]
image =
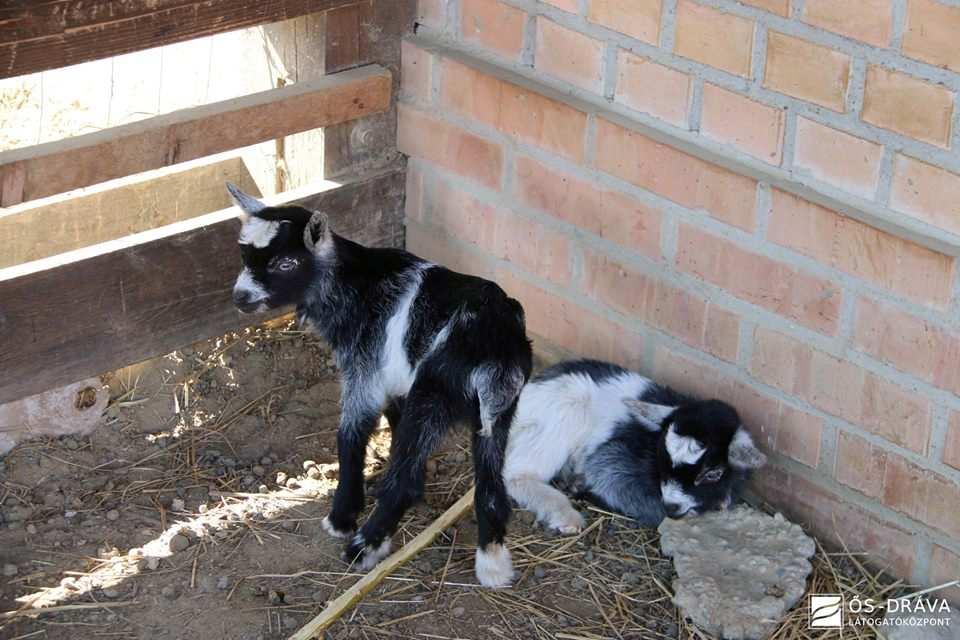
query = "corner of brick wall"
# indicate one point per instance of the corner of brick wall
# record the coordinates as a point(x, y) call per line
point(742, 199)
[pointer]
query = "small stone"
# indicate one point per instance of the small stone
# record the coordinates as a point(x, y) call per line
point(179, 542)
point(588, 556)
point(539, 573)
point(203, 508)
point(432, 466)
point(281, 478)
point(266, 461)
point(70, 584)
point(178, 504)
point(152, 563)
point(69, 515)
point(112, 515)
point(630, 577)
point(223, 583)
point(275, 597)
point(330, 473)
point(71, 444)
point(459, 457)
point(457, 612)
point(293, 483)
point(135, 553)
point(111, 593)
point(31, 529)
point(314, 473)
point(10, 570)
point(289, 622)
point(170, 592)
point(263, 489)
point(258, 470)
point(309, 463)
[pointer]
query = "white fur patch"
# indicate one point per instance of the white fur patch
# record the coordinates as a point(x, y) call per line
point(494, 567)
point(246, 284)
point(743, 454)
point(396, 371)
point(332, 531)
point(371, 555)
point(674, 495)
point(258, 232)
point(683, 449)
point(551, 506)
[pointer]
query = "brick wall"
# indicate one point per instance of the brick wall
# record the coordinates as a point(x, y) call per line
point(754, 200)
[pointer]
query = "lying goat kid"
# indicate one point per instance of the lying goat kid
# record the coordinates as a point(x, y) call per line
point(423, 345)
point(633, 446)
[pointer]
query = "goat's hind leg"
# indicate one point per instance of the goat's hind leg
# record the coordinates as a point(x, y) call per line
point(424, 420)
point(550, 505)
point(494, 566)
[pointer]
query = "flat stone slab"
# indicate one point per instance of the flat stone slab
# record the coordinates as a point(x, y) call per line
point(74, 409)
point(939, 625)
point(738, 571)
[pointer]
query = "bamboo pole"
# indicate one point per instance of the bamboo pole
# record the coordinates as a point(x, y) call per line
point(345, 601)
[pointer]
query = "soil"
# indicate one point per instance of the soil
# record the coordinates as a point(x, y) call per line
point(194, 512)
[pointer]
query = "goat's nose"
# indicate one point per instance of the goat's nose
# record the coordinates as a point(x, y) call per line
point(673, 510)
point(240, 297)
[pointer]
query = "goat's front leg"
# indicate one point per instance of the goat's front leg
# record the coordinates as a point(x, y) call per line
point(422, 424)
point(357, 422)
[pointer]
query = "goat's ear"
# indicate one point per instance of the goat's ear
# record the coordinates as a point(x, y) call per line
point(647, 411)
point(317, 234)
point(249, 206)
point(743, 454)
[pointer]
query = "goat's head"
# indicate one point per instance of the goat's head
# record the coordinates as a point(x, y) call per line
point(704, 454)
point(280, 247)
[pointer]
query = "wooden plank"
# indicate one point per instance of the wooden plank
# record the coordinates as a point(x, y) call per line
point(193, 133)
point(103, 307)
point(36, 35)
point(68, 221)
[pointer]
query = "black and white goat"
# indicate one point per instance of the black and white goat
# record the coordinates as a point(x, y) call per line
point(426, 347)
point(627, 444)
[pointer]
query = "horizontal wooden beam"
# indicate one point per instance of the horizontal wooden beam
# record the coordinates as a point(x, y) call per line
point(36, 35)
point(103, 307)
point(55, 167)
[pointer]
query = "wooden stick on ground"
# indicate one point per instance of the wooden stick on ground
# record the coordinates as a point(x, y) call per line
point(345, 601)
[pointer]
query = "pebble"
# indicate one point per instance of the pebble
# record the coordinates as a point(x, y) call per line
point(539, 573)
point(223, 583)
point(263, 489)
point(281, 478)
point(178, 504)
point(630, 577)
point(70, 584)
point(71, 444)
point(203, 508)
point(266, 461)
point(293, 483)
point(169, 592)
point(459, 457)
point(309, 463)
point(431, 466)
point(314, 473)
point(275, 597)
point(112, 515)
point(258, 470)
point(179, 542)
point(457, 612)
point(10, 570)
point(588, 556)
point(31, 529)
point(111, 593)
point(330, 473)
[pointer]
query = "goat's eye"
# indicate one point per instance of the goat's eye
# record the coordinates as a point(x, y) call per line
point(284, 265)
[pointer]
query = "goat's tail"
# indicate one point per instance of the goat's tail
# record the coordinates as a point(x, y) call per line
point(497, 387)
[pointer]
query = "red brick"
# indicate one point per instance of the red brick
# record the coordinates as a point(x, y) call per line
point(867, 20)
point(752, 127)
point(838, 158)
point(951, 449)
point(413, 206)
point(653, 302)
point(905, 487)
point(843, 243)
point(432, 245)
point(837, 521)
point(568, 55)
point(907, 105)
point(500, 232)
point(942, 500)
point(931, 33)
point(945, 567)
point(721, 336)
point(774, 425)
point(860, 465)
point(449, 147)
point(638, 19)
point(608, 214)
point(416, 71)
point(516, 112)
point(571, 327)
point(807, 71)
point(673, 174)
point(721, 40)
point(841, 388)
point(494, 25)
point(759, 280)
point(926, 192)
point(565, 5)
point(909, 343)
point(779, 7)
point(635, 77)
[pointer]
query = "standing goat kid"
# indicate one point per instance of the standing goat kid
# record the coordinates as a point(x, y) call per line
point(424, 346)
point(625, 443)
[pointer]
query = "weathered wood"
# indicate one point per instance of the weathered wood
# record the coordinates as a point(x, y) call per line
point(99, 308)
point(193, 133)
point(345, 601)
point(36, 35)
point(368, 31)
point(68, 221)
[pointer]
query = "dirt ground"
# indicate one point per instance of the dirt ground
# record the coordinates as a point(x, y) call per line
point(195, 513)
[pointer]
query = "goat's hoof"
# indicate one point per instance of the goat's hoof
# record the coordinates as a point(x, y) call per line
point(363, 555)
point(567, 523)
point(494, 567)
point(333, 531)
